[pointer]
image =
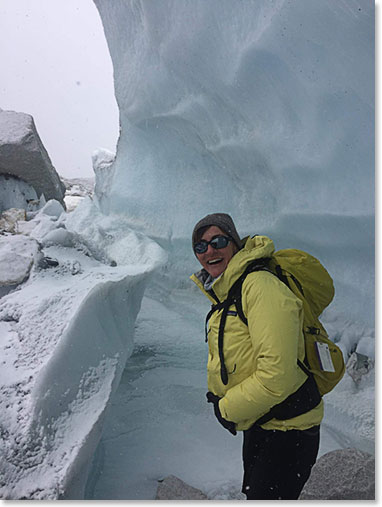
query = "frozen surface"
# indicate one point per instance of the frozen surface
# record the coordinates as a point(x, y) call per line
point(263, 110)
point(65, 335)
point(76, 190)
point(260, 109)
point(160, 423)
point(15, 193)
point(270, 119)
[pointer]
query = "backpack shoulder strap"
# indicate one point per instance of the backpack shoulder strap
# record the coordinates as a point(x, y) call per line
point(233, 297)
point(258, 265)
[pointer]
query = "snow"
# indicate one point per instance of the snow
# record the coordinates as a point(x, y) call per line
point(17, 254)
point(160, 424)
point(76, 190)
point(259, 123)
point(52, 208)
point(272, 124)
point(102, 158)
point(65, 336)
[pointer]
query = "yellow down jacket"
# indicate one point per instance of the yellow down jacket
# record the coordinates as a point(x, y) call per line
point(261, 358)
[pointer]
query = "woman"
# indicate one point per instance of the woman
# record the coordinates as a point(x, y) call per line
point(259, 358)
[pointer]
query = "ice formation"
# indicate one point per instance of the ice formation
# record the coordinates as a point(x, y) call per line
point(260, 109)
point(15, 193)
point(66, 330)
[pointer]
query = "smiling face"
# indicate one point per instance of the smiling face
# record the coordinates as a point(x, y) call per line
point(215, 261)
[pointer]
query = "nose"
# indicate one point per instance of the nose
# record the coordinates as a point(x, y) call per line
point(210, 249)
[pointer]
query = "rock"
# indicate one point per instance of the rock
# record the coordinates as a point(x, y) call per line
point(358, 365)
point(17, 254)
point(173, 488)
point(343, 474)
point(10, 218)
point(47, 262)
point(23, 155)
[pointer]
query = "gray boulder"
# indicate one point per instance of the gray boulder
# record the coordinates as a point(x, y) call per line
point(358, 365)
point(23, 155)
point(343, 474)
point(173, 488)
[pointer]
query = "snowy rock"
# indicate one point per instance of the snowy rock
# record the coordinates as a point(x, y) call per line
point(52, 208)
point(10, 218)
point(17, 254)
point(173, 488)
point(23, 155)
point(358, 365)
point(344, 474)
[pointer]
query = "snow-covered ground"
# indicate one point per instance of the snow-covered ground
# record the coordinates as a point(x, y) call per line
point(159, 423)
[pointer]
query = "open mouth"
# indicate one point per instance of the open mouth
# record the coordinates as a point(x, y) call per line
point(214, 261)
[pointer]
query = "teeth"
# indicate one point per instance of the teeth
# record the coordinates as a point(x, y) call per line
point(214, 261)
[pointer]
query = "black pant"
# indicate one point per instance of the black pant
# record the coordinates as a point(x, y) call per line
point(278, 463)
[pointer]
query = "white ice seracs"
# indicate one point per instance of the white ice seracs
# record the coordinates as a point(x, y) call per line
point(65, 335)
point(260, 109)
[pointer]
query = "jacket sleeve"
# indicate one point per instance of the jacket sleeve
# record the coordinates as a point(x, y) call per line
point(275, 319)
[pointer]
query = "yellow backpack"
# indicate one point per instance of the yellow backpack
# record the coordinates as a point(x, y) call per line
point(309, 281)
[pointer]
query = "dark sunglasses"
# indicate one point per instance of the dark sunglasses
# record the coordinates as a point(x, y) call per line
point(217, 242)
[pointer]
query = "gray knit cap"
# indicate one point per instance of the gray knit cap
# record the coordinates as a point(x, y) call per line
point(221, 220)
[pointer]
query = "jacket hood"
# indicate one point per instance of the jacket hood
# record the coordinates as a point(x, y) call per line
point(256, 247)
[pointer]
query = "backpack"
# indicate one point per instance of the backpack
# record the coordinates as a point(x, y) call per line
point(324, 365)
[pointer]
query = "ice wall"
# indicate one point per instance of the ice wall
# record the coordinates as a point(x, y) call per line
point(66, 329)
point(262, 109)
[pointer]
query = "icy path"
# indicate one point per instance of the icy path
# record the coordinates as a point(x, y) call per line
point(159, 423)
